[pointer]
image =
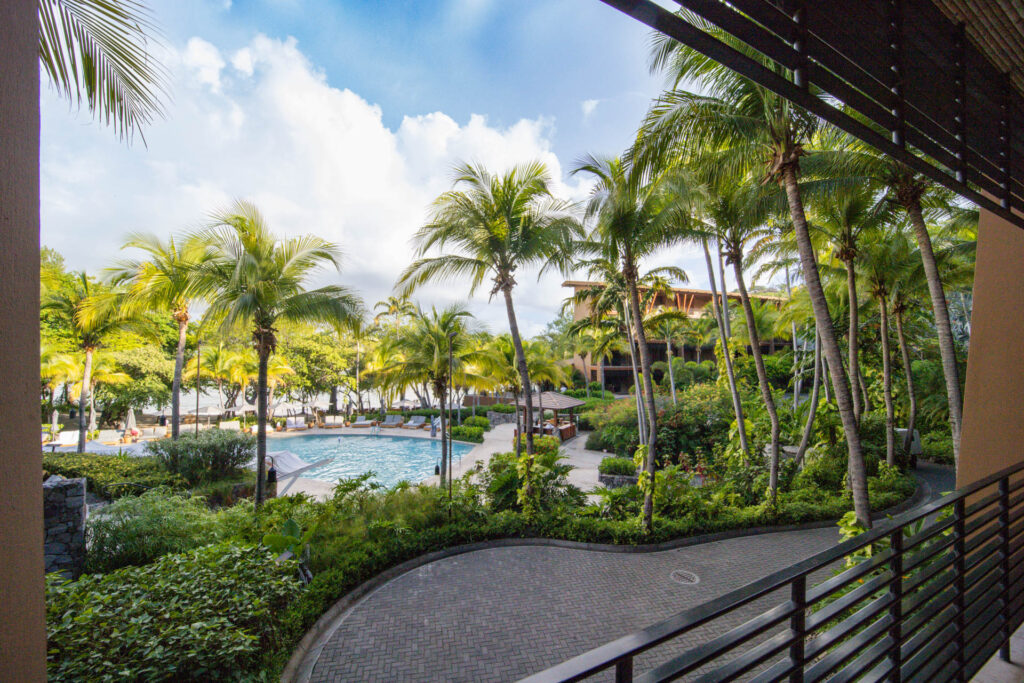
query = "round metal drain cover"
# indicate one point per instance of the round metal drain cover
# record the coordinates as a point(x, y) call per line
point(684, 577)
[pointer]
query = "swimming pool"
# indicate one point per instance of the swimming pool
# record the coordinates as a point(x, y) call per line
point(392, 458)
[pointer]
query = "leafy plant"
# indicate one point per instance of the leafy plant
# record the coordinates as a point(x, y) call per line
point(209, 614)
point(210, 455)
point(112, 476)
point(477, 421)
point(468, 433)
point(620, 466)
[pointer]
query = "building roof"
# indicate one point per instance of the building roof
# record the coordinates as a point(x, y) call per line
point(996, 28)
point(676, 290)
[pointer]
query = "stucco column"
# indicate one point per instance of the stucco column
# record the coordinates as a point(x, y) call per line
point(22, 624)
point(993, 428)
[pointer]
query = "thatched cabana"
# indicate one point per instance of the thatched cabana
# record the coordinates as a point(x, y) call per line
point(557, 403)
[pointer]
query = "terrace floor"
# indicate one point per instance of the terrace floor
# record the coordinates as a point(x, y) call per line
point(503, 613)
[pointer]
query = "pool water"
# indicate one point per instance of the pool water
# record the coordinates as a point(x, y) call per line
point(392, 458)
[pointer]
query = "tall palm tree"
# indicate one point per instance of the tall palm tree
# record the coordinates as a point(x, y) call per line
point(104, 371)
point(669, 325)
point(425, 351)
point(635, 214)
point(257, 280)
point(842, 218)
point(93, 314)
point(735, 130)
point(97, 51)
point(701, 331)
point(215, 366)
point(904, 187)
point(164, 280)
point(496, 225)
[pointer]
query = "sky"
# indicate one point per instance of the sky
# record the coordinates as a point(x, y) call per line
point(344, 119)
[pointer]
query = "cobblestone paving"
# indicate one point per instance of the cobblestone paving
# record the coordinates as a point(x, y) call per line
point(503, 613)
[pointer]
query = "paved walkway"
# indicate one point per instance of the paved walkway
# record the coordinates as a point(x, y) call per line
point(503, 613)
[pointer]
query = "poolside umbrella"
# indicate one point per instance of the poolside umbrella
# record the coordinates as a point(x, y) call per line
point(53, 424)
point(129, 422)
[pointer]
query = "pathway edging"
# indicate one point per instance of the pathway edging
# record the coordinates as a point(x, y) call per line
point(300, 666)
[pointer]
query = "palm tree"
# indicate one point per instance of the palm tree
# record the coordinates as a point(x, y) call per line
point(669, 324)
point(842, 219)
point(496, 225)
point(425, 349)
point(736, 129)
point(216, 366)
point(701, 331)
point(92, 314)
point(738, 217)
point(104, 371)
point(634, 215)
point(97, 51)
point(164, 281)
point(257, 280)
point(907, 189)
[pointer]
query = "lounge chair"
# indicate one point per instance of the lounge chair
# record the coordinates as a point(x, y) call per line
point(232, 426)
point(109, 437)
point(333, 421)
point(150, 433)
point(295, 423)
point(69, 438)
point(392, 421)
point(361, 421)
point(415, 422)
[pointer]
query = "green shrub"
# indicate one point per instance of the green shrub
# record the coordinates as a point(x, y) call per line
point(210, 455)
point(697, 425)
point(111, 476)
point(478, 421)
point(466, 433)
point(823, 471)
point(210, 614)
point(504, 408)
point(542, 445)
point(937, 447)
point(502, 482)
point(595, 441)
point(623, 466)
point(138, 530)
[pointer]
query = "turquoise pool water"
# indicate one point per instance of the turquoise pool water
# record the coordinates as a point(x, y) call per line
point(392, 458)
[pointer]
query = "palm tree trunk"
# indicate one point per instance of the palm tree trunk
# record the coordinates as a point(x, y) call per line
point(812, 409)
point(908, 439)
point(825, 372)
point(671, 377)
point(762, 378)
point(868, 407)
point(83, 400)
point(947, 349)
point(723, 336)
point(640, 421)
point(648, 388)
point(519, 427)
point(890, 420)
point(853, 362)
point(179, 363)
point(600, 371)
point(798, 367)
point(586, 380)
point(830, 347)
point(444, 440)
point(524, 377)
point(725, 296)
point(261, 422)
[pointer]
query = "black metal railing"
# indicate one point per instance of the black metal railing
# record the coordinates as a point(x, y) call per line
point(929, 595)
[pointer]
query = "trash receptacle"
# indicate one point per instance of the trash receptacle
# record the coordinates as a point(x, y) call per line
point(162, 421)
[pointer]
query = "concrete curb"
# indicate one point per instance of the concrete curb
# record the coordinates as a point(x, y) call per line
point(300, 666)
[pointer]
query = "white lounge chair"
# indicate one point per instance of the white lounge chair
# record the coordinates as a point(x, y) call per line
point(392, 421)
point(295, 423)
point(230, 426)
point(333, 421)
point(361, 421)
point(68, 438)
point(109, 437)
point(415, 422)
point(150, 433)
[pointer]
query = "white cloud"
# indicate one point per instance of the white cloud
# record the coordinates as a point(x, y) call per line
point(314, 157)
point(205, 62)
point(588, 107)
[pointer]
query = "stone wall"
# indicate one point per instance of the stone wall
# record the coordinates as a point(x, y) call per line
point(64, 513)
point(500, 418)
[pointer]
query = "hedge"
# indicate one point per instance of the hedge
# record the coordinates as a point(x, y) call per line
point(111, 476)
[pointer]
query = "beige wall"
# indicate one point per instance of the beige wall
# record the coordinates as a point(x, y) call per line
point(22, 629)
point(993, 430)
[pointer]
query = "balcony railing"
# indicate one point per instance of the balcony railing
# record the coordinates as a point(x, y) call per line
point(929, 595)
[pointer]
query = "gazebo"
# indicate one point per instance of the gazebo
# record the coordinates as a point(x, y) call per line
point(556, 402)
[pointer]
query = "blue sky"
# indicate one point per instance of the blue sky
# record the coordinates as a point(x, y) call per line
point(344, 119)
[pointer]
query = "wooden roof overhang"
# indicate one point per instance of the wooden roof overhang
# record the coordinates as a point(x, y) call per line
point(940, 89)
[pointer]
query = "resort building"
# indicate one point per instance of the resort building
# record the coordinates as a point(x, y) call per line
point(695, 303)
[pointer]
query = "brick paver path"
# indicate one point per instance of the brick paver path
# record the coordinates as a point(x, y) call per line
point(503, 613)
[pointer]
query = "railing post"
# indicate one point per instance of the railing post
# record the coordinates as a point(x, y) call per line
point(1004, 534)
point(797, 623)
point(624, 670)
point(959, 566)
point(896, 607)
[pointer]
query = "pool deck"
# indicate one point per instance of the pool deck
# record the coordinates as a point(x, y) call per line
point(497, 440)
